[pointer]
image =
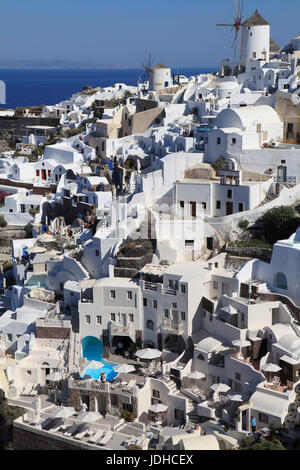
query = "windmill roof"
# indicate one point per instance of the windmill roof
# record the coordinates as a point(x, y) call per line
point(256, 20)
point(274, 46)
point(160, 66)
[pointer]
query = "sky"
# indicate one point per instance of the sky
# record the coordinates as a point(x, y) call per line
point(176, 32)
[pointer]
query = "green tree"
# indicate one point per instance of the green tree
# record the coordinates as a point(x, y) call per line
point(279, 223)
point(3, 222)
point(244, 224)
point(218, 164)
point(249, 443)
point(7, 416)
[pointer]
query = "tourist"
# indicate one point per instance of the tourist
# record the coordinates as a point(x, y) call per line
point(84, 408)
point(253, 424)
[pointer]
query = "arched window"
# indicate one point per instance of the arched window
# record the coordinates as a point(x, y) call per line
point(150, 325)
point(280, 281)
point(200, 357)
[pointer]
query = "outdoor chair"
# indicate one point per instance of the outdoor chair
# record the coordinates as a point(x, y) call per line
point(96, 437)
point(79, 435)
point(105, 439)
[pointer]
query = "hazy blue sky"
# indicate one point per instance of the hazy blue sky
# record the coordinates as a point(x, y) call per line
point(177, 32)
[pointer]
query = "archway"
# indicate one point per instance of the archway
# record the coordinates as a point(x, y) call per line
point(280, 281)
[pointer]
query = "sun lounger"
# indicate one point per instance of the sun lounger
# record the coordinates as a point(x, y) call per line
point(82, 432)
point(108, 435)
point(71, 430)
point(56, 425)
point(131, 384)
point(96, 437)
point(46, 422)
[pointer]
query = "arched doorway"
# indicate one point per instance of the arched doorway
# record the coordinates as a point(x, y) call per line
point(280, 281)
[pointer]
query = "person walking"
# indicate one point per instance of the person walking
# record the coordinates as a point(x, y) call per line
point(253, 424)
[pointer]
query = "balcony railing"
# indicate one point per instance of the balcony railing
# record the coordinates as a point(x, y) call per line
point(173, 326)
point(291, 180)
point(122, 330)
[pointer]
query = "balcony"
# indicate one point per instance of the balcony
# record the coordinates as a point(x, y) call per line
point(173, 327)
point(117, 329)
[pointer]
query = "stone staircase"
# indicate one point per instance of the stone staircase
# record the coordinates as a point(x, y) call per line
point(192, 413)
point(84, 269)
point(65, 394)
point(171, 385)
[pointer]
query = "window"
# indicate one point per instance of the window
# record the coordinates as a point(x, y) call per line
point(210, 317)
point(204, 206)
point(99, 319)
point(181, 204)
point(174, 305)
point(218, 140)
point(97, 252)
point(182, 288)
point(129, 122)
point(166, 313)
point(145, 302)
point(179, 415)
point(182, 314)
point(150, 325)
point(233, 141)
point(129, 295)
point(238, 376)
point(113, 317)
point(131, 317)
point(156, 394)
point(229, 193)
point(241, 207)
point(9, 337)
point(263, 418)
point(88, 319)
point(28, 372)
point(215, 285)
point(200, 357)
point(154, 303)
point(112, 294)
point(218, 204)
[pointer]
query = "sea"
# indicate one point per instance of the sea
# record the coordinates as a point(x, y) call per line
point(48, 87)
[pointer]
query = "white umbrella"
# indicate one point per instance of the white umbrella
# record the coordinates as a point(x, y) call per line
point(220, 388)
point(36, 249)
point(241, 343)
point(124, 368)
point(89, 417)
point(235, 397)
point(46, 238)
point(94, 365)
point(196, 375)
point(148, 353)
point(64, 412)
point(54, 376)
point(270, 368)
point(159, 408)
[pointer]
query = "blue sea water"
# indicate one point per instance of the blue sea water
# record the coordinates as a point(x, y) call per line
point(36, 87)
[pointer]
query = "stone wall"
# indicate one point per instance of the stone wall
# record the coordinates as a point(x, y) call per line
point(26, 438)
point(264, 254)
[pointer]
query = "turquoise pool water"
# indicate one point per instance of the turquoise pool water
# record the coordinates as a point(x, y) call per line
point(92, 350)
point(34, 281)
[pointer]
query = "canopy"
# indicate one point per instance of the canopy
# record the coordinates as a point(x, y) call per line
point(241, 343)
point(159, 408)
point(124, 368)
point(220, 387)
point(269, 367)
point(63, 412)
point(148, 353)
point(89, 417)
point(196, 375)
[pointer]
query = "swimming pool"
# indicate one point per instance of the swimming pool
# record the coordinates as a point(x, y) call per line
point(37, 280)
point(92, 349)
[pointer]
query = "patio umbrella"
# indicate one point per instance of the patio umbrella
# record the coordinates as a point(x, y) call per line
point(270, 368)
point(220, 388)
point(196, 375)
point(64, 412)
point(36, 249)
point(46, 238)
point(148, 354)
point(235, 397)
point(89, 417)
point(54, 376)
point(124, 368)
point(94, 365)
point(159, 408)
point(241, 343)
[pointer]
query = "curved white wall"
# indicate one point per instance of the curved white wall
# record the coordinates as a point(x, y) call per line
point(254, 40)
point(159, 78)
